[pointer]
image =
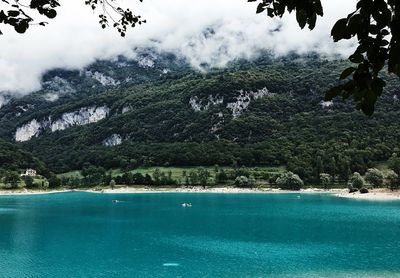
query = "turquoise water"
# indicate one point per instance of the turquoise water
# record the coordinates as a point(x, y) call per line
point(239, 235)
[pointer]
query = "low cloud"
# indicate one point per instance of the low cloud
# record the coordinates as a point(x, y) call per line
point(204, 32)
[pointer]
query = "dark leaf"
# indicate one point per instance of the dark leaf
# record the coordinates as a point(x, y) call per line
point(21, 27)
point(13, 13)
point(339, 29)
point(260, 8)
point(347, 72)
point(51, 13)
point(356, 58)
point(301, 17)
point(333, 92)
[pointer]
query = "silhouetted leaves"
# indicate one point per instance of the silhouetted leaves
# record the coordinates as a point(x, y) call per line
point(126, 16)
point(370, 23)
point(17, 16)
point(306, 10)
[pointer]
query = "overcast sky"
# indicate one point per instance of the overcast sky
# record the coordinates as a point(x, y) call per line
point(74, 39)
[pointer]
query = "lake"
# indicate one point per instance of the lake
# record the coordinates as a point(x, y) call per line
point(221, 235)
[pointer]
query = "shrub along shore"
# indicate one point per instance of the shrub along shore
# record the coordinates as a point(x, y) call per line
point(202, 179)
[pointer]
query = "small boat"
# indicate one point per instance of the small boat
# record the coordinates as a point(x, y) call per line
point(170, 264)
point(187, 205)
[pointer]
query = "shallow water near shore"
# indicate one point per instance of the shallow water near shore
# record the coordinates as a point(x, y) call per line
point(221, 235)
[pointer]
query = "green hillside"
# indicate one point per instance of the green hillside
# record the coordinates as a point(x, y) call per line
point(191, 119)
point(13, 158)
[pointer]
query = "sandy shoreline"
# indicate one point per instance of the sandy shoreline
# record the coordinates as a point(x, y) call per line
point(133, 190)
point(379, 194)
point(31, 192)
point(228, 190)
point(373, 195)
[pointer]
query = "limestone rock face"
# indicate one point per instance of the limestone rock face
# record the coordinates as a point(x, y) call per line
point(113, 140)
point(28, 131)
point(243, 100)
point(102, 78)
point(200, 105)
point(83, 116)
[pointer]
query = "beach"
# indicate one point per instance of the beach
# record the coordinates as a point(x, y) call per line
point(24, 191)
point(194, 189)
point(381, 194)
point(197, 189)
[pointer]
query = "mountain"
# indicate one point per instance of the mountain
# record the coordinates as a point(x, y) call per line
point(155, 110)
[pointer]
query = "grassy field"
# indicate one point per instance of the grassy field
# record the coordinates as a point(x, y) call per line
point(384, 167)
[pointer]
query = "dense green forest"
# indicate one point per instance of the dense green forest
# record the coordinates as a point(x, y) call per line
point(14, 158)
point(268, 112)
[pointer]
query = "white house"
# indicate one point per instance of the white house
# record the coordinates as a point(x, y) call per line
point(30, 173)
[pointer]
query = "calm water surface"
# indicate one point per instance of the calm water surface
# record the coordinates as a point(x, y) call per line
point(235, 235)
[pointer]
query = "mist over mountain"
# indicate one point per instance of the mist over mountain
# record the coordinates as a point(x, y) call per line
point(207, 34)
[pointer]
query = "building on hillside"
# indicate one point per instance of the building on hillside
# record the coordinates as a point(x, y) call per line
point(30, 173)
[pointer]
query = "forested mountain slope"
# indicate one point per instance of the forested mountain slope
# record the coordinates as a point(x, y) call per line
point(13, 158)
point(160, 112)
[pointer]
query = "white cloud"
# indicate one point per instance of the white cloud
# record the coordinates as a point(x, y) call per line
point(74, 39)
